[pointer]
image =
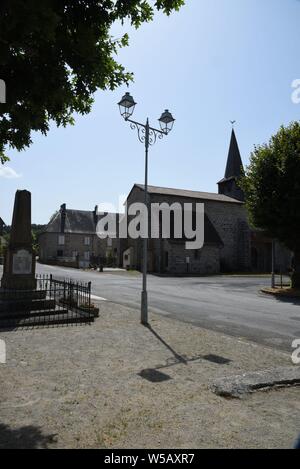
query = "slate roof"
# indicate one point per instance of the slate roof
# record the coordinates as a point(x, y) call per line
point(189, 194)
point(234, 166)
point(76, 221)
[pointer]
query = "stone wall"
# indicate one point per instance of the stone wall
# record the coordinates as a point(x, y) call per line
point(230, 221)
point(74, 242)
point(203, 261)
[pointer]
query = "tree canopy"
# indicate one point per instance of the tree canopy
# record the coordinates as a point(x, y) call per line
point(55, 54)
point(272, 189)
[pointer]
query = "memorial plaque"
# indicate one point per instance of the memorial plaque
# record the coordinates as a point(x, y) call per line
point(22, 262)
point(19, 265)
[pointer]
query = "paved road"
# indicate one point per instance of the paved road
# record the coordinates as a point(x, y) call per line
point(229, 304)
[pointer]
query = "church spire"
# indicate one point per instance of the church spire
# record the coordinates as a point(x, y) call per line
point(234, 167)
point(234, 170)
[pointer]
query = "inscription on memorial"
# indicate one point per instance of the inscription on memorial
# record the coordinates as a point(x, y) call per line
point(22, 262)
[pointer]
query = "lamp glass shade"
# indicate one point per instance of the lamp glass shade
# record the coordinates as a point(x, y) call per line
point(166, 121)
point(127, 105)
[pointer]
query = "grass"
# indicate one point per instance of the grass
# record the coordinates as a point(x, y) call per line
point(286, 291)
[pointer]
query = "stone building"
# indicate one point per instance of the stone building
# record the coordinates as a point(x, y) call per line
point(70, 239)
point(229, 243)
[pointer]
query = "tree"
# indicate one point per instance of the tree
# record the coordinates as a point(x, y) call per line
point(36, 230)
point(272, 189)
point(55, 54)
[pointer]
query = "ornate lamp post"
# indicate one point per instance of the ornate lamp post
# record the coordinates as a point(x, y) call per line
point(148, 136)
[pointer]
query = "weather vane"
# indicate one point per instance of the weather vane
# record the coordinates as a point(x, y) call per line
point(232, 123)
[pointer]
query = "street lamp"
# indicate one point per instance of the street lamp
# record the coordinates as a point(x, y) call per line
point(148, 136)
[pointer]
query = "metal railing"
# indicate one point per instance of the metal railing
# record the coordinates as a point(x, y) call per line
point(282, 279)
point(54, 301)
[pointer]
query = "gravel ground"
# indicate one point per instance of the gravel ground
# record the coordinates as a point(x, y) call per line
point(86, 387)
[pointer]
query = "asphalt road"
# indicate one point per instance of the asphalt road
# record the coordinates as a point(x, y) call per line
point(229, 304)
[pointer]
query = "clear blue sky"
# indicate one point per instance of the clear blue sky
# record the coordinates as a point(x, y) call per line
point(214, 61)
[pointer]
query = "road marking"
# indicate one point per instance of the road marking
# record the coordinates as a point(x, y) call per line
point(99, 298)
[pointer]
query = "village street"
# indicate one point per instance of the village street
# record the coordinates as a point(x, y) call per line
point(229, 304)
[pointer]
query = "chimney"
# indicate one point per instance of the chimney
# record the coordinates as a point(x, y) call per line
point(63, 213)
point(96, 214)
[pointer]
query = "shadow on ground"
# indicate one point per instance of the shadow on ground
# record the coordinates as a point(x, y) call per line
point(29, 437)
point(178, 358)
point(183, 359)
point(288, 299)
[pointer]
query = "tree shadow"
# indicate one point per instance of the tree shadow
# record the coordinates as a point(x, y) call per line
point(288, 299)
point(28, 437)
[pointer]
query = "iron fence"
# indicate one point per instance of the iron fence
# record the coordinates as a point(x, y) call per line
point(282, 279)
point(54, 301)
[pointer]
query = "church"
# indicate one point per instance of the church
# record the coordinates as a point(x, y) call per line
point(230, 245)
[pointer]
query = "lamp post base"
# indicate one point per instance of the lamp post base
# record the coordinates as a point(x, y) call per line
point(144, 308)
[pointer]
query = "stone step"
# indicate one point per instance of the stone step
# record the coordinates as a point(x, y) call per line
point(26, 305)
point(40, 319)
point(28, 314)
point(9, 295)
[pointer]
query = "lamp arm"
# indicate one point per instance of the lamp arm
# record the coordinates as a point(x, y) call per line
point(141, 129)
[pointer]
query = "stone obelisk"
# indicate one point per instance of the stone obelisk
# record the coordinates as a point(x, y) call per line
point(19, 263)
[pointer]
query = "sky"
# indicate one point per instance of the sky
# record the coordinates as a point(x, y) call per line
point(212, 62)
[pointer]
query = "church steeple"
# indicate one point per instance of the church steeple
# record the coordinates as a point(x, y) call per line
point(234, 170)
point(234, 167)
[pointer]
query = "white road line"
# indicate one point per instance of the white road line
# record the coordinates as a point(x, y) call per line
point(99, 298)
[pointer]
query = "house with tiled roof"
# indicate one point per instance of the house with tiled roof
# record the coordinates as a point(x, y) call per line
point(70, 239)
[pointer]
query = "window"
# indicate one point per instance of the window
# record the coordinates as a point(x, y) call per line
point(61, 240)
point(87, 256)
point(75, 254)
point(60, 253)
point(109, 242)
point(87, 240)
point(166, 259)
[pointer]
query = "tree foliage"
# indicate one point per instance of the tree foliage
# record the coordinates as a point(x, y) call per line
point(272, 188)
point(55, 54)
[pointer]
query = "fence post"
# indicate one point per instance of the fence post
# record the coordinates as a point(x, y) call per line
point(273, 279)
point(89, 287)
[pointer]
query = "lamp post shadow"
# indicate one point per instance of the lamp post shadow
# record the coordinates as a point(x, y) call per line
point(179, 358)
